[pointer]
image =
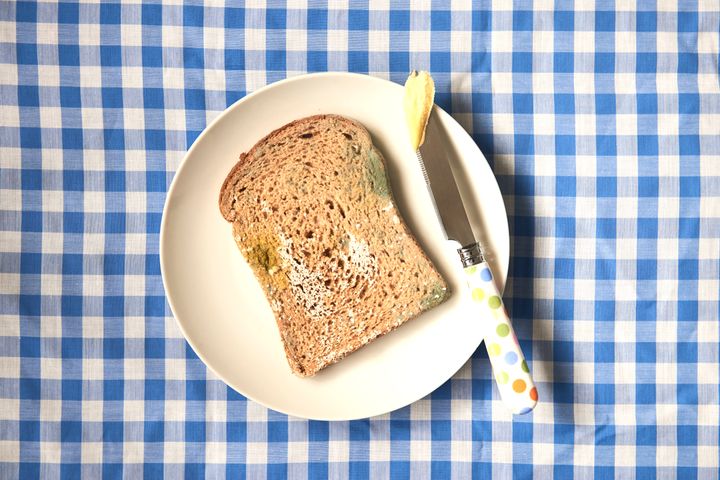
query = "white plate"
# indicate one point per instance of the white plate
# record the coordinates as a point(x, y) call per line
point(220, 307)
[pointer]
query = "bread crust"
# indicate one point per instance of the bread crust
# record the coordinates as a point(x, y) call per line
point(231, 179)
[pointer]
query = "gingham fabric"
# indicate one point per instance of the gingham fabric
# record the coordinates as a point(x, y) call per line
point(602, 125)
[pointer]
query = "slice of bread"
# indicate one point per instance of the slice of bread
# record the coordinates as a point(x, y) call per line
point(313, 215)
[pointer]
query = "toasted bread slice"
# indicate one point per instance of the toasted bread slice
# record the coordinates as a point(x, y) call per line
point(312, 213)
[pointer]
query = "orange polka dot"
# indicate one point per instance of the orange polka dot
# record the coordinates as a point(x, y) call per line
point(519, 386)
point(533, 394)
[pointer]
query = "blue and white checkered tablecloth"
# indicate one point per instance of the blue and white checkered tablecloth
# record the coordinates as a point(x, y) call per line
point(602, 125)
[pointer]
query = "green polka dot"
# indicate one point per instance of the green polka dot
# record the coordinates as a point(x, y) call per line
point(493, 349)
point(502, 378)
point(471, 270)
point(524, 367)
point(503, 330)
point(494, 302)
point(478, 294)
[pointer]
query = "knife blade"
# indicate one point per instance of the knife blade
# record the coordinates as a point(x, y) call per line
point(443, 187)
point(512, 374)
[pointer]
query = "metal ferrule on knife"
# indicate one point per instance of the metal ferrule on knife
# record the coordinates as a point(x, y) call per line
point(471, 255)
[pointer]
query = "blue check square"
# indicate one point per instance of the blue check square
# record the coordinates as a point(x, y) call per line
point(26, 11)
point(358, 20)
point(30, 389)
point(646, 62)
point(563, 62)
point(72, 139)
point(152, 56)
point(563, 20)
point(399, 19)
point(71, 431)
point(440, 20)
point(29, 431)
point(565, 144)
point(317, 19)
point(30, 137)
point(522, 62)
point(72, 264)
point(195, 431)
point(151, 14)
point(31, 179)
point(110, 14)
point(234, 17)
point(646, 21)
point(110, 56)
point(605, 21)
point(28, 96)
point(645, 352)
point(26, 53)
point(687, 22)
point(604, 62)
point(193, 57)
point(68, 13)
point(647, 104)
point(70, 97)
point(522, 20)
point(193, 16)
point(31, 222)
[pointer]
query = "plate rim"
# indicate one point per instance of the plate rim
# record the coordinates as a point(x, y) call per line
point(163, 234)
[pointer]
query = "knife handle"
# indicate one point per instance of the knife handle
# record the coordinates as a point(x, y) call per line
point(511, 371)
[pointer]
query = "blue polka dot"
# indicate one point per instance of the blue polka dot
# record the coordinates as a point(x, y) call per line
point(511, 358)
point(486, 275)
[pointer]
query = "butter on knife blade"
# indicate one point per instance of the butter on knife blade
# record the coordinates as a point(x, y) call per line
point(418, 102)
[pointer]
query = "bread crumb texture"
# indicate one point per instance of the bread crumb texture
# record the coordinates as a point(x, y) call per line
point(313, 215)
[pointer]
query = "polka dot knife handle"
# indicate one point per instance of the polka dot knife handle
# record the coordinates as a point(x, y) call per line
point(512, 375)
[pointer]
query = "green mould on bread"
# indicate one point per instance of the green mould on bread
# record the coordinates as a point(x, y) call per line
point(262, 254)
point(437, 295)
point(376, 175)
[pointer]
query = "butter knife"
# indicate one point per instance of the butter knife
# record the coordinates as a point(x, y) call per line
point(510, 369)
